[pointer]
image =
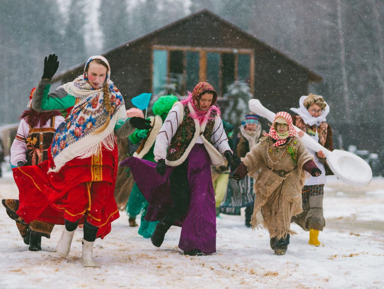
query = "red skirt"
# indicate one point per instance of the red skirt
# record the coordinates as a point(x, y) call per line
point(82, 189)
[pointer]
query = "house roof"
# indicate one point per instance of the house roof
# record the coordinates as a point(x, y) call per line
point(312, 75)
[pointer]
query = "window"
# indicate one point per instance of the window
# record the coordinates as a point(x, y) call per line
point(192, 69)
point(213, 69)
point(183, 67)
point(159, 75)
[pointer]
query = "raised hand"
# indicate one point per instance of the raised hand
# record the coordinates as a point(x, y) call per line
point(50, 66)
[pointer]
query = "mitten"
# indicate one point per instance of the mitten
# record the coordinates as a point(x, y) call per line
point(161, 167)
point(240, 172)
point(229, 156)
point(311, 167)
point(50, 66)
point(140, 123)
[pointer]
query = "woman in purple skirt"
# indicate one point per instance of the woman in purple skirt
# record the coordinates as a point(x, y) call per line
point(191, 139)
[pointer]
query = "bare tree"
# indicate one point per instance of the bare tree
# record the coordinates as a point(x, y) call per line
point(343, 62)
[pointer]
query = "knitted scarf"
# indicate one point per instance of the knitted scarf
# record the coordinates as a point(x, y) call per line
point(81, 135)
point(291, 130)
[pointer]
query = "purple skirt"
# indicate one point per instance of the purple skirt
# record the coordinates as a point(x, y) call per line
point(198, 228)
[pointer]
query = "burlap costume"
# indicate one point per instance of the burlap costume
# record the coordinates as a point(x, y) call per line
point(279, 178)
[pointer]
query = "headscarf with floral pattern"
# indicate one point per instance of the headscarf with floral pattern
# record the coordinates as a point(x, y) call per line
point(198, 91)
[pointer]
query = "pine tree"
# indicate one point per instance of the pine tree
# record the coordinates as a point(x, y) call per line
point(114, 22)
point(237, 96)
point(29, 31)
point(75, 51)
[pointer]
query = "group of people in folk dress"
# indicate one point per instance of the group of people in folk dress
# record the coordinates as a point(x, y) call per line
point(71, 146)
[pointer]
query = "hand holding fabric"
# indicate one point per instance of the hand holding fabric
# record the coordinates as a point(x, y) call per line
point(20, 164)
point(50, 66)
point(161, 167)
point(240, 172)
point(140, 123)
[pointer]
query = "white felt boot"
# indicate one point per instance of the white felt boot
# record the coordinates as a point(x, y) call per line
point(86, 258)
point(64, 244)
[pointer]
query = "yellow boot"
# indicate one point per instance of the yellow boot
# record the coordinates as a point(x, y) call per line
point(313, 237)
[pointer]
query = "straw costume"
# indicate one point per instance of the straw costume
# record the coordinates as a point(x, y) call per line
point(277, 164)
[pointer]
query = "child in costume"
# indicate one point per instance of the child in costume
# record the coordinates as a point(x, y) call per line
point(191, 139)
point(240, 193)
point(76, 183)
point(30, 147)
point(136, 202)
point(277, 164)
point(311, 118)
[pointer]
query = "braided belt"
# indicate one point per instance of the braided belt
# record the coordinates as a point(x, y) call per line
point(281, 173)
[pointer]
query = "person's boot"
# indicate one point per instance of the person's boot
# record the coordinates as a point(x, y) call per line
point(132, 222)
point(87, 254)
point(314, 237)
point(26, 237)
point(64, 245)
point(272, 243)
point(34, 241)
point(281, 245)
point(157, 237)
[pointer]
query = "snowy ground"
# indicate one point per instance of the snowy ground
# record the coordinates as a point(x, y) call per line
point(352, 255)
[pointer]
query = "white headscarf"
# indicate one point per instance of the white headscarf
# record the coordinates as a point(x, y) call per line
point(303, 112)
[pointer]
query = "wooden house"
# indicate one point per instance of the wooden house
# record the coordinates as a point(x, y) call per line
point(204, 47)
